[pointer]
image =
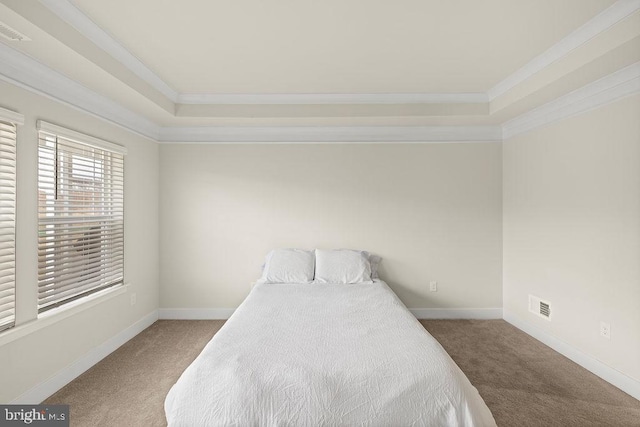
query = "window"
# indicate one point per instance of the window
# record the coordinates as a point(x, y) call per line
point(7, 217)
point(80, 215)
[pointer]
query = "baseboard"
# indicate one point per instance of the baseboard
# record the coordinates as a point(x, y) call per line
point(420, 313)
point(607, 373)
point(195, 313)
point(457, 313)
point(46, 388)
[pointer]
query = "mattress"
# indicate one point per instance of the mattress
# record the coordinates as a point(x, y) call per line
point(324, 355)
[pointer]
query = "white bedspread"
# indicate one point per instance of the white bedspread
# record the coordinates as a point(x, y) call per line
point(324, 355)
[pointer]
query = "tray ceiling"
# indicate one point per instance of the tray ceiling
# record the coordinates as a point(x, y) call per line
point(337, 46)
point(248, 70)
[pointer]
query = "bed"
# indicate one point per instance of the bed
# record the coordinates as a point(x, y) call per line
point(324, 355)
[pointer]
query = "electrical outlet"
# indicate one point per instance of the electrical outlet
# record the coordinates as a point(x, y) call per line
point(433, 286)
point(133, 299)
point(605, 330)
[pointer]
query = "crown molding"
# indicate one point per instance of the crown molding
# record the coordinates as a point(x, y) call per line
point(334, 98)
point(27, 72)
point(69, 13)
point(598, 24)
point(330, 134)
point(620, 84)
point(73, 16)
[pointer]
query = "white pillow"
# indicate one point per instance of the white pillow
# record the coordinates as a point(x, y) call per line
point(342, 266)
point(288, 266)
point(375, 261)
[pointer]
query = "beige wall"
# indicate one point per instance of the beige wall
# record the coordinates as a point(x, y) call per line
point(34, 358)
point(571, 227)
point(572, 230)
point(432, 211)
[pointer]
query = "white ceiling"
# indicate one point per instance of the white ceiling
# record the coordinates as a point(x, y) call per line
point(198, 70)
point(337, 46)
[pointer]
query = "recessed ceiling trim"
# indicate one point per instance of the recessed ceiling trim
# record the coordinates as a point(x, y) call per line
point(620, 84)
point(334, 98)
point(83, 24)
point(329, 134)
point(343, 111)
point(27, 72)
point(24, 71)
point(598, 24)
point(73, 16)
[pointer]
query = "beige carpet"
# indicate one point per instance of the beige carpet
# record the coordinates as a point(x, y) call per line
point(526, 383)
point(128, 387)
point(523, 382)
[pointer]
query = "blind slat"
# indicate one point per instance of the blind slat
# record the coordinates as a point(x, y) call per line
point(72, 267)
point(48, 304)
point(7, 223)
point(81, 219)
point(72, 281)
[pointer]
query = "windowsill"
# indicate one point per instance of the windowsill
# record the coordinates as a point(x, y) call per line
point(55, 315)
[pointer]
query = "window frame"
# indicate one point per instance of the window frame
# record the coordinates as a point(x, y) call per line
point(11, 120)
point(85, 276)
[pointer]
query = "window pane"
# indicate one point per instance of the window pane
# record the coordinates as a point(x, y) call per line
point(7, 223)
point(81, 220)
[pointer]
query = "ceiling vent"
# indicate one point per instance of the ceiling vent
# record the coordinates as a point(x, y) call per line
point(540, 307)
point(10, 34)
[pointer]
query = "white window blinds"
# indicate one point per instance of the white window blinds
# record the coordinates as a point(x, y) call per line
point(7, 222)
point(80, 216)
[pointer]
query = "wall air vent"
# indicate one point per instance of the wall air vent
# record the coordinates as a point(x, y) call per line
point(10, 34)
point(539, 307)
